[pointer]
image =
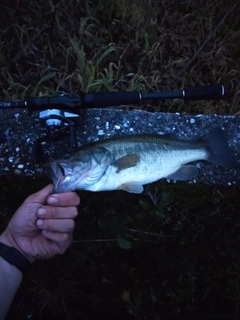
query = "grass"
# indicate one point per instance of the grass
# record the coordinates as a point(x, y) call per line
point(172, 252)
point(120, 45)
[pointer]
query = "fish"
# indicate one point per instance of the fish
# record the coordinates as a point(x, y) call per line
point(129, 162)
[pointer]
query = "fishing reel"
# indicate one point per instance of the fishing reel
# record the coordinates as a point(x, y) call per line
point(57, 123)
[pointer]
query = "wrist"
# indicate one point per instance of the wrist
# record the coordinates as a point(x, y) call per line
point(4, 239)
point(7, 239)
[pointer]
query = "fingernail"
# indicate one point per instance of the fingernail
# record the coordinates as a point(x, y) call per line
point(39, 222)
point(41, 211)
point(52, 200)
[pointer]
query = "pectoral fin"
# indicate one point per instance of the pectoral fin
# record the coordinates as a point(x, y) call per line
point(128, 161)
point(186, 172)
point(132, 187)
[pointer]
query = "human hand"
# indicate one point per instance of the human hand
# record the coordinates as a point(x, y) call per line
point(39, 235)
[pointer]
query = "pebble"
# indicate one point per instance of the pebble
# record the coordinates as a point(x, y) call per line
point(100, 133)
point(20, 166)
point(17, 149)
point(10, 159)
point(192, 121)
point(17, 171)
point(117, 127)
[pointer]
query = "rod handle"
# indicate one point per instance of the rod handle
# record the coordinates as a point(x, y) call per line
point(211, 92)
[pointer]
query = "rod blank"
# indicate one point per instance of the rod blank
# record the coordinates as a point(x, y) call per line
point(108, 99)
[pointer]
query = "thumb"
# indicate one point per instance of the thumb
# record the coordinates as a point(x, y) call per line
point(40, 196)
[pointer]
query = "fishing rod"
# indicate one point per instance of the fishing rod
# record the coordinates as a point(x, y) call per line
point(108, 99)
point(61, 114)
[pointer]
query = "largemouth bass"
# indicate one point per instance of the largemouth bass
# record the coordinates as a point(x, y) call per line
point(129, 162)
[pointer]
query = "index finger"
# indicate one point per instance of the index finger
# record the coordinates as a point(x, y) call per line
point(64, 199)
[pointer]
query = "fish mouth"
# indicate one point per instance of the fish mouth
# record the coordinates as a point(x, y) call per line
point(55, 171)
point(57, 174)
point(62, 176)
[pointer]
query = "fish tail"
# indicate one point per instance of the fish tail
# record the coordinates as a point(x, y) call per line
point(219, 151)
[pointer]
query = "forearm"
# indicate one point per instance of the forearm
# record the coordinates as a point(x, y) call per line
point(10, 279)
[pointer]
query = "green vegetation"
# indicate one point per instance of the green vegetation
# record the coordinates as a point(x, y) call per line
point(47, 46)
point(172, 252)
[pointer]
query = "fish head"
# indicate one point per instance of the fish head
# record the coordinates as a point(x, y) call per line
point(80, 171)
